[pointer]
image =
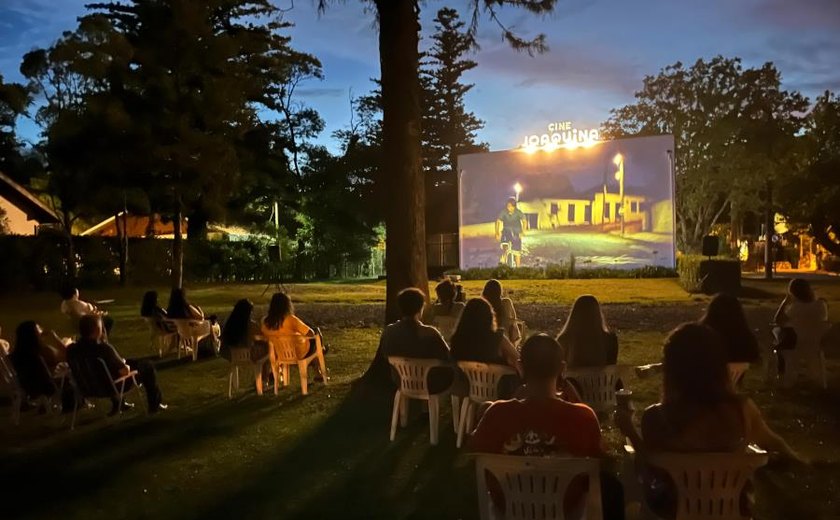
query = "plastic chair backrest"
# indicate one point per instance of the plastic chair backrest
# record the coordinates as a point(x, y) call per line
point(92, 377)
point(284, 346)
point(809, 335)
point(413, 374)
point(535, 487)
point(445, 325)
point(709, 485)
point(240, 356)
point(596, 385)
point(484, 379)
point(186, 327)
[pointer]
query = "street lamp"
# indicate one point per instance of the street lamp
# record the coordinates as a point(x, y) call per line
point(618, 160)
point(517, 188)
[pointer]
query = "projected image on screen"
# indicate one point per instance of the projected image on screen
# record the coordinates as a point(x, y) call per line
point(608, 205)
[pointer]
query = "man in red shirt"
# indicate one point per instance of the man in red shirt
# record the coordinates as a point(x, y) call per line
point(543, 424)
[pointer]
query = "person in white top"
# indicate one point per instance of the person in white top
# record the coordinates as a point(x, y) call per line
point(75, 308)
point(799, 321)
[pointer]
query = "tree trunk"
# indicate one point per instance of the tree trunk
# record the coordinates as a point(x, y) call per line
point(177, 250)
point(70, 250)
point(405, 226)
point(121, 228)
point(197, 228)
point(405, 260)
point(769, 231)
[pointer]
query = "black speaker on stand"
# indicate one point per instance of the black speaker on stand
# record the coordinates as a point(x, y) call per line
point(711, 245)
point(274, 259)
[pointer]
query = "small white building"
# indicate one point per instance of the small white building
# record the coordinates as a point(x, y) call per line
point(24, 213)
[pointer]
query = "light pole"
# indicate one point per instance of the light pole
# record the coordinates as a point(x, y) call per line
point(517, 188)
point(618, 160)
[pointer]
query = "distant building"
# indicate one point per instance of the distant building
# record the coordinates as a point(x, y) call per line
point(602, 210)
point(138, 226)
point(24, 212)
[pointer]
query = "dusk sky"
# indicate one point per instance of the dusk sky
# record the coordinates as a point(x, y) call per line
point(599, 52)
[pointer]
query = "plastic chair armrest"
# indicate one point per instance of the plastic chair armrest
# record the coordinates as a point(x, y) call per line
point(130, 375)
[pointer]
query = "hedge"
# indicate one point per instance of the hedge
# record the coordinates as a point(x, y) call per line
point(699, 274)
point(561, 272)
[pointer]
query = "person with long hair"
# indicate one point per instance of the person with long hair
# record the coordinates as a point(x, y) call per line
point(446, 306)
point(477, 338)
point(149, 308)
point(504, 309)
point(281, 318)
point(800, 305)
point(241, 330)
point(586, 338)
point(180, 308)
point(725, 315)
point(26, 356)
point(699, 411)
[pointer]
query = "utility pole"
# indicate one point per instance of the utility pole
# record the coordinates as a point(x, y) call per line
point(769, 232)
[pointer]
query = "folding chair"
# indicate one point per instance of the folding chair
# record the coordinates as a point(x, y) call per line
point(92, 379)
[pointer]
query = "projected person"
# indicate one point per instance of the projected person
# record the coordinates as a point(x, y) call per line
point(510, 226)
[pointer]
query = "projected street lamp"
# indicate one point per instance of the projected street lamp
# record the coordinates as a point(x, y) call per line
point(619, 176)
point(517, 188)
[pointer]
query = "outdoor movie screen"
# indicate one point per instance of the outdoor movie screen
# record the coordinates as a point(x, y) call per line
point(610, 204)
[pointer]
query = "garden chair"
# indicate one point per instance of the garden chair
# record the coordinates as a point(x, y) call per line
point(533, 488)
point(9, 378)
point(91, 379)
point(709, 485)
point(282, 349)
point(445, 325)
point(484, 387)
point(190, 333)
point(596, 386)
point(159, 338)
point(413, 375)
point(807, 355)
point(241, 358)
point(737, 372)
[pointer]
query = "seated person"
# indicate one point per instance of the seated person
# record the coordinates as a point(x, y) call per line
point(800, 309)
point(75, 307)
point(5, 348)
point(91, 346)
point(446, 306)
point(150, 309)
point(542, 424)
point(477, 339)
point(180, 309)
point(408, 337)
point(726, 317)
point(240, 331)
point(699, 412)
point(281, 318)
point(586, 338)
point(34, 378)
point(505, 312)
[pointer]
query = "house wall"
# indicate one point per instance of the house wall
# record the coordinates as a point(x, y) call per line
point(17, 222)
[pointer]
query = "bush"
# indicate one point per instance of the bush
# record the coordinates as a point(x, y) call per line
point(700, 274)
point(561, 272)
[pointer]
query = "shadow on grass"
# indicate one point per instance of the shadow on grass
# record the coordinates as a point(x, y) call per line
point(84, 461)
point(347, 468)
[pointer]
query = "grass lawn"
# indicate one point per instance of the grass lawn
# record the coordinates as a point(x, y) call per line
point(328, 454)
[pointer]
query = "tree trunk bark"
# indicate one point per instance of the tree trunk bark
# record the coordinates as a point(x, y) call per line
point(769, 231)
point(177, 249)
point(120, 227)
point(405, 227)
point(70, 251)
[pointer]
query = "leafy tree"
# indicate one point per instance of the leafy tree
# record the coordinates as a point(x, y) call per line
point(14, 100)
point(734, 131)
point(449, 129)
point(812, 195)
point(199, 71)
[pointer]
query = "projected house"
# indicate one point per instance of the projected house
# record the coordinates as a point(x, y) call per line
point(599, 210)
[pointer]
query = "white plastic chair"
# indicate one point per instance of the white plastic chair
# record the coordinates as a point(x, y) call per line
point(413, 374)
point(484, 387)
point(9, 378)
point(808, 355)
point(534, 487)
point(445, 325)
point(709, 485)
point(159, 338)
point(241, 358)
point(737, 371)
point(190, 333)
point(596, 386)
point(282, 349)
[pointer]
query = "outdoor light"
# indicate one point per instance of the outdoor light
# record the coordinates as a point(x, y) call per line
point(517, 188)
point(618, 159)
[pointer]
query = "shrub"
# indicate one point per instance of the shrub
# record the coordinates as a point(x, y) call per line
point(700, 274)
point(562, 272)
